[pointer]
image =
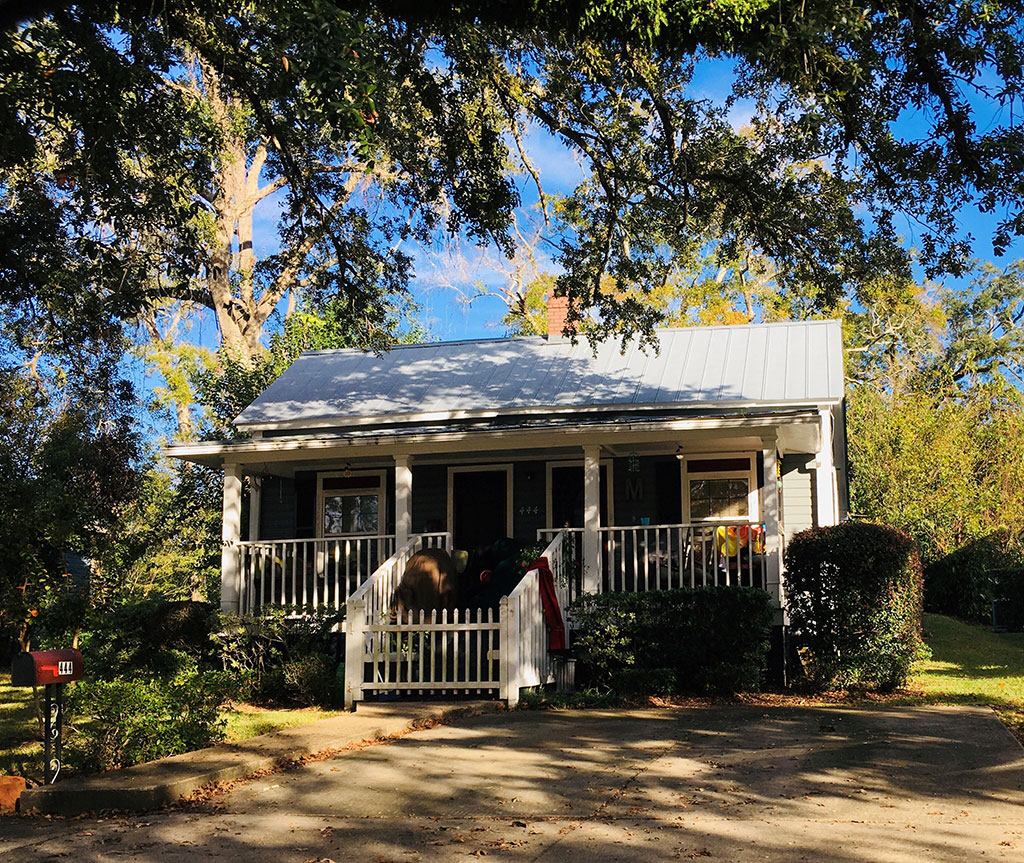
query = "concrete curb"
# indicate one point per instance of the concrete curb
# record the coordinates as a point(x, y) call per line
point(157, 783)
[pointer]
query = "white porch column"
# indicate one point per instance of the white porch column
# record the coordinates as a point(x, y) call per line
point(255, 503)
point(592, 519)
point(825, 488)
point(773, 535)
point(403, 500)
point(231, 525)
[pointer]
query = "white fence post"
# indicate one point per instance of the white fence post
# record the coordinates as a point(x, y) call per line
point(773, 539)
point(355, 621)
point(509, 617)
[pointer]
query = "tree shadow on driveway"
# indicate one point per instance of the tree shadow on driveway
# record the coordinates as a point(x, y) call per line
point(735, 782)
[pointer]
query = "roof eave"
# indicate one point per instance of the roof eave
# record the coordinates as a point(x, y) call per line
point(337, 421)
point(216, 453)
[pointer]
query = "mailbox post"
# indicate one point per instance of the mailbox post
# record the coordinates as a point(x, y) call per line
point(52, 669)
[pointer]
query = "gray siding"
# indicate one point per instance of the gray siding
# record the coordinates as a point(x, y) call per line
point(429, 498)
point(798, 505)
point(277, 508)
point(529, 500)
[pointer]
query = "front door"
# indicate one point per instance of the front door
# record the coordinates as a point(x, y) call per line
point(479, 507)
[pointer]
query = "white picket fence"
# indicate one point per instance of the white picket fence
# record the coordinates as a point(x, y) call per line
point(308, 573)
point(471, 651)
point(428, 653)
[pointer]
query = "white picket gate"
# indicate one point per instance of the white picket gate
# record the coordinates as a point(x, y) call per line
point(470, 651)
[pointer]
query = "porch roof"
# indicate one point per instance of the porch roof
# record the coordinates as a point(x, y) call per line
point(795, 428)
point(704, 368)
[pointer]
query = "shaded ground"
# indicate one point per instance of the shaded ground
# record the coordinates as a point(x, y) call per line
point(734, 783)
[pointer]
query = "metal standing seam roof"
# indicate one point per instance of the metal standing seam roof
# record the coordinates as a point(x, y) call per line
point(761, 364)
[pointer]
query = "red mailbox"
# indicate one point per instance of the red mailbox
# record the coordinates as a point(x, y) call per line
point(41, 667)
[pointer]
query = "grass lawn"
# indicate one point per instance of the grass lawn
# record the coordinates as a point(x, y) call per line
point(248, 721)
point(20, 740)
point(21, 752)
point(970, 664)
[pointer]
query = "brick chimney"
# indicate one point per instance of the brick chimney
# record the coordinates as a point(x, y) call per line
point(558, 311)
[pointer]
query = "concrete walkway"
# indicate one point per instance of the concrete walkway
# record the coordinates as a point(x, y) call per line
point(732, 783)
point(148, 786)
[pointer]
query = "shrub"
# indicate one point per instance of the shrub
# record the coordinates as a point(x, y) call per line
point(274, 659)
point(152, 636)
point(961, 583)
point(854, 595)
point(704, 639)
point(117, 723)
point(1008, 591)
point(310, 679)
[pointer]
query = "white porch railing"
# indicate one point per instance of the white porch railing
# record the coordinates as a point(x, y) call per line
point(376, 592)
point(568, 560)
point(527, 659)
point(663, 557)
point(465, 650)
point(307, 573)
point(667, 556)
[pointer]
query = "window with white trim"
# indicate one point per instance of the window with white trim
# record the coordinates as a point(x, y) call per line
point(351, 505)
point(721, 488)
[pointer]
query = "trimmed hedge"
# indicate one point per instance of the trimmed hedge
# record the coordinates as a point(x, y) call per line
point(712, 639)
point(854, 596)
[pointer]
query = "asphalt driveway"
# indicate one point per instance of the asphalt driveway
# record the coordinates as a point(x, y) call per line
point(730, 783)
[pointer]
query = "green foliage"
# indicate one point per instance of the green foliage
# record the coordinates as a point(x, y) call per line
point(1008, 593)
point(149, 637)
point(118, 723)
point(704, 639)
point(961, 584)
point(168, 538)
point(427, 106)
point(935, 429)
point(854, 593)
point(273, 659)
point(938, 464)
point(68, 468)
point(150, 687)
point(310, 678)
point(582, 699)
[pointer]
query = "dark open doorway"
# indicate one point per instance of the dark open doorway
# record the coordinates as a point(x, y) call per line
point(479, 507)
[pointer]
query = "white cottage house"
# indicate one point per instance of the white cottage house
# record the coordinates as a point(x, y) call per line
point(640, 471)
